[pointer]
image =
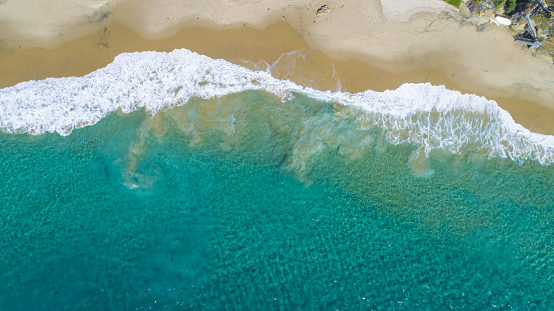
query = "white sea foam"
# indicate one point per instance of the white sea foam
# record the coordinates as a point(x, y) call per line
point(430, 117)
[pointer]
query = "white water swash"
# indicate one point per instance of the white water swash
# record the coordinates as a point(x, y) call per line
point(429, 117)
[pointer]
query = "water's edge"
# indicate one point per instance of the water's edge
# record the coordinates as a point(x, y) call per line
point(430, 117)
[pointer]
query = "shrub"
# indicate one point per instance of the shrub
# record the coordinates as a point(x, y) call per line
point(498, 4)
point(510, 6)
point(455, 3)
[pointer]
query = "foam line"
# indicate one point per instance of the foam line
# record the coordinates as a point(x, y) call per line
point(432, 116)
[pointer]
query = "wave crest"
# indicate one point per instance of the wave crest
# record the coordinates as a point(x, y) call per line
point(430, 117)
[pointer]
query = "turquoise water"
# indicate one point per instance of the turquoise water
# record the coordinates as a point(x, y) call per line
point(247, 202)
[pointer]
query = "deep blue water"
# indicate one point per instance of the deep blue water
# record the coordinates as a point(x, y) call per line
point(227, 204)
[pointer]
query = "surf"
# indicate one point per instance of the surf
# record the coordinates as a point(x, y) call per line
point(432, 118)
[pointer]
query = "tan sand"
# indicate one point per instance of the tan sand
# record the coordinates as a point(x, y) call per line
point(363, 44)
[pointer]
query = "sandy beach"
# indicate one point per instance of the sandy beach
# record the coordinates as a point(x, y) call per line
point(351, 47)
point(272, 155)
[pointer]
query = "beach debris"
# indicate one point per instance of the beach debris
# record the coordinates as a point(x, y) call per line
point(501, 21)
point(323, 10)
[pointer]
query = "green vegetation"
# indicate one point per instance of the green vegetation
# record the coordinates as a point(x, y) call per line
point(498, 4)
point(455, 3)
point(540, 20)
point(510, 6)
point(515, 9)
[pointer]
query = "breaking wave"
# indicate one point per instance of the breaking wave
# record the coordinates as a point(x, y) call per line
point(430, 117)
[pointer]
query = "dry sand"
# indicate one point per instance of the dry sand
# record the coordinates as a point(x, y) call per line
point(356, 46)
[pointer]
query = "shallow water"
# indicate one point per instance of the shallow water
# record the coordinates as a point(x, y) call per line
point(250, 202)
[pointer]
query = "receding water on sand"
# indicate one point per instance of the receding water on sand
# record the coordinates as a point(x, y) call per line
point(249, 201)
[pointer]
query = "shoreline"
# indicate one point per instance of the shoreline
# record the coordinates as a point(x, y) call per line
point(299, 55)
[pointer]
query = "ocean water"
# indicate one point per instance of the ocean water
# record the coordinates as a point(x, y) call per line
point(174, 181)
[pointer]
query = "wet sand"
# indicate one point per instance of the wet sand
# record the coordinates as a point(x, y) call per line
point(278, 46)
point(296, 50)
